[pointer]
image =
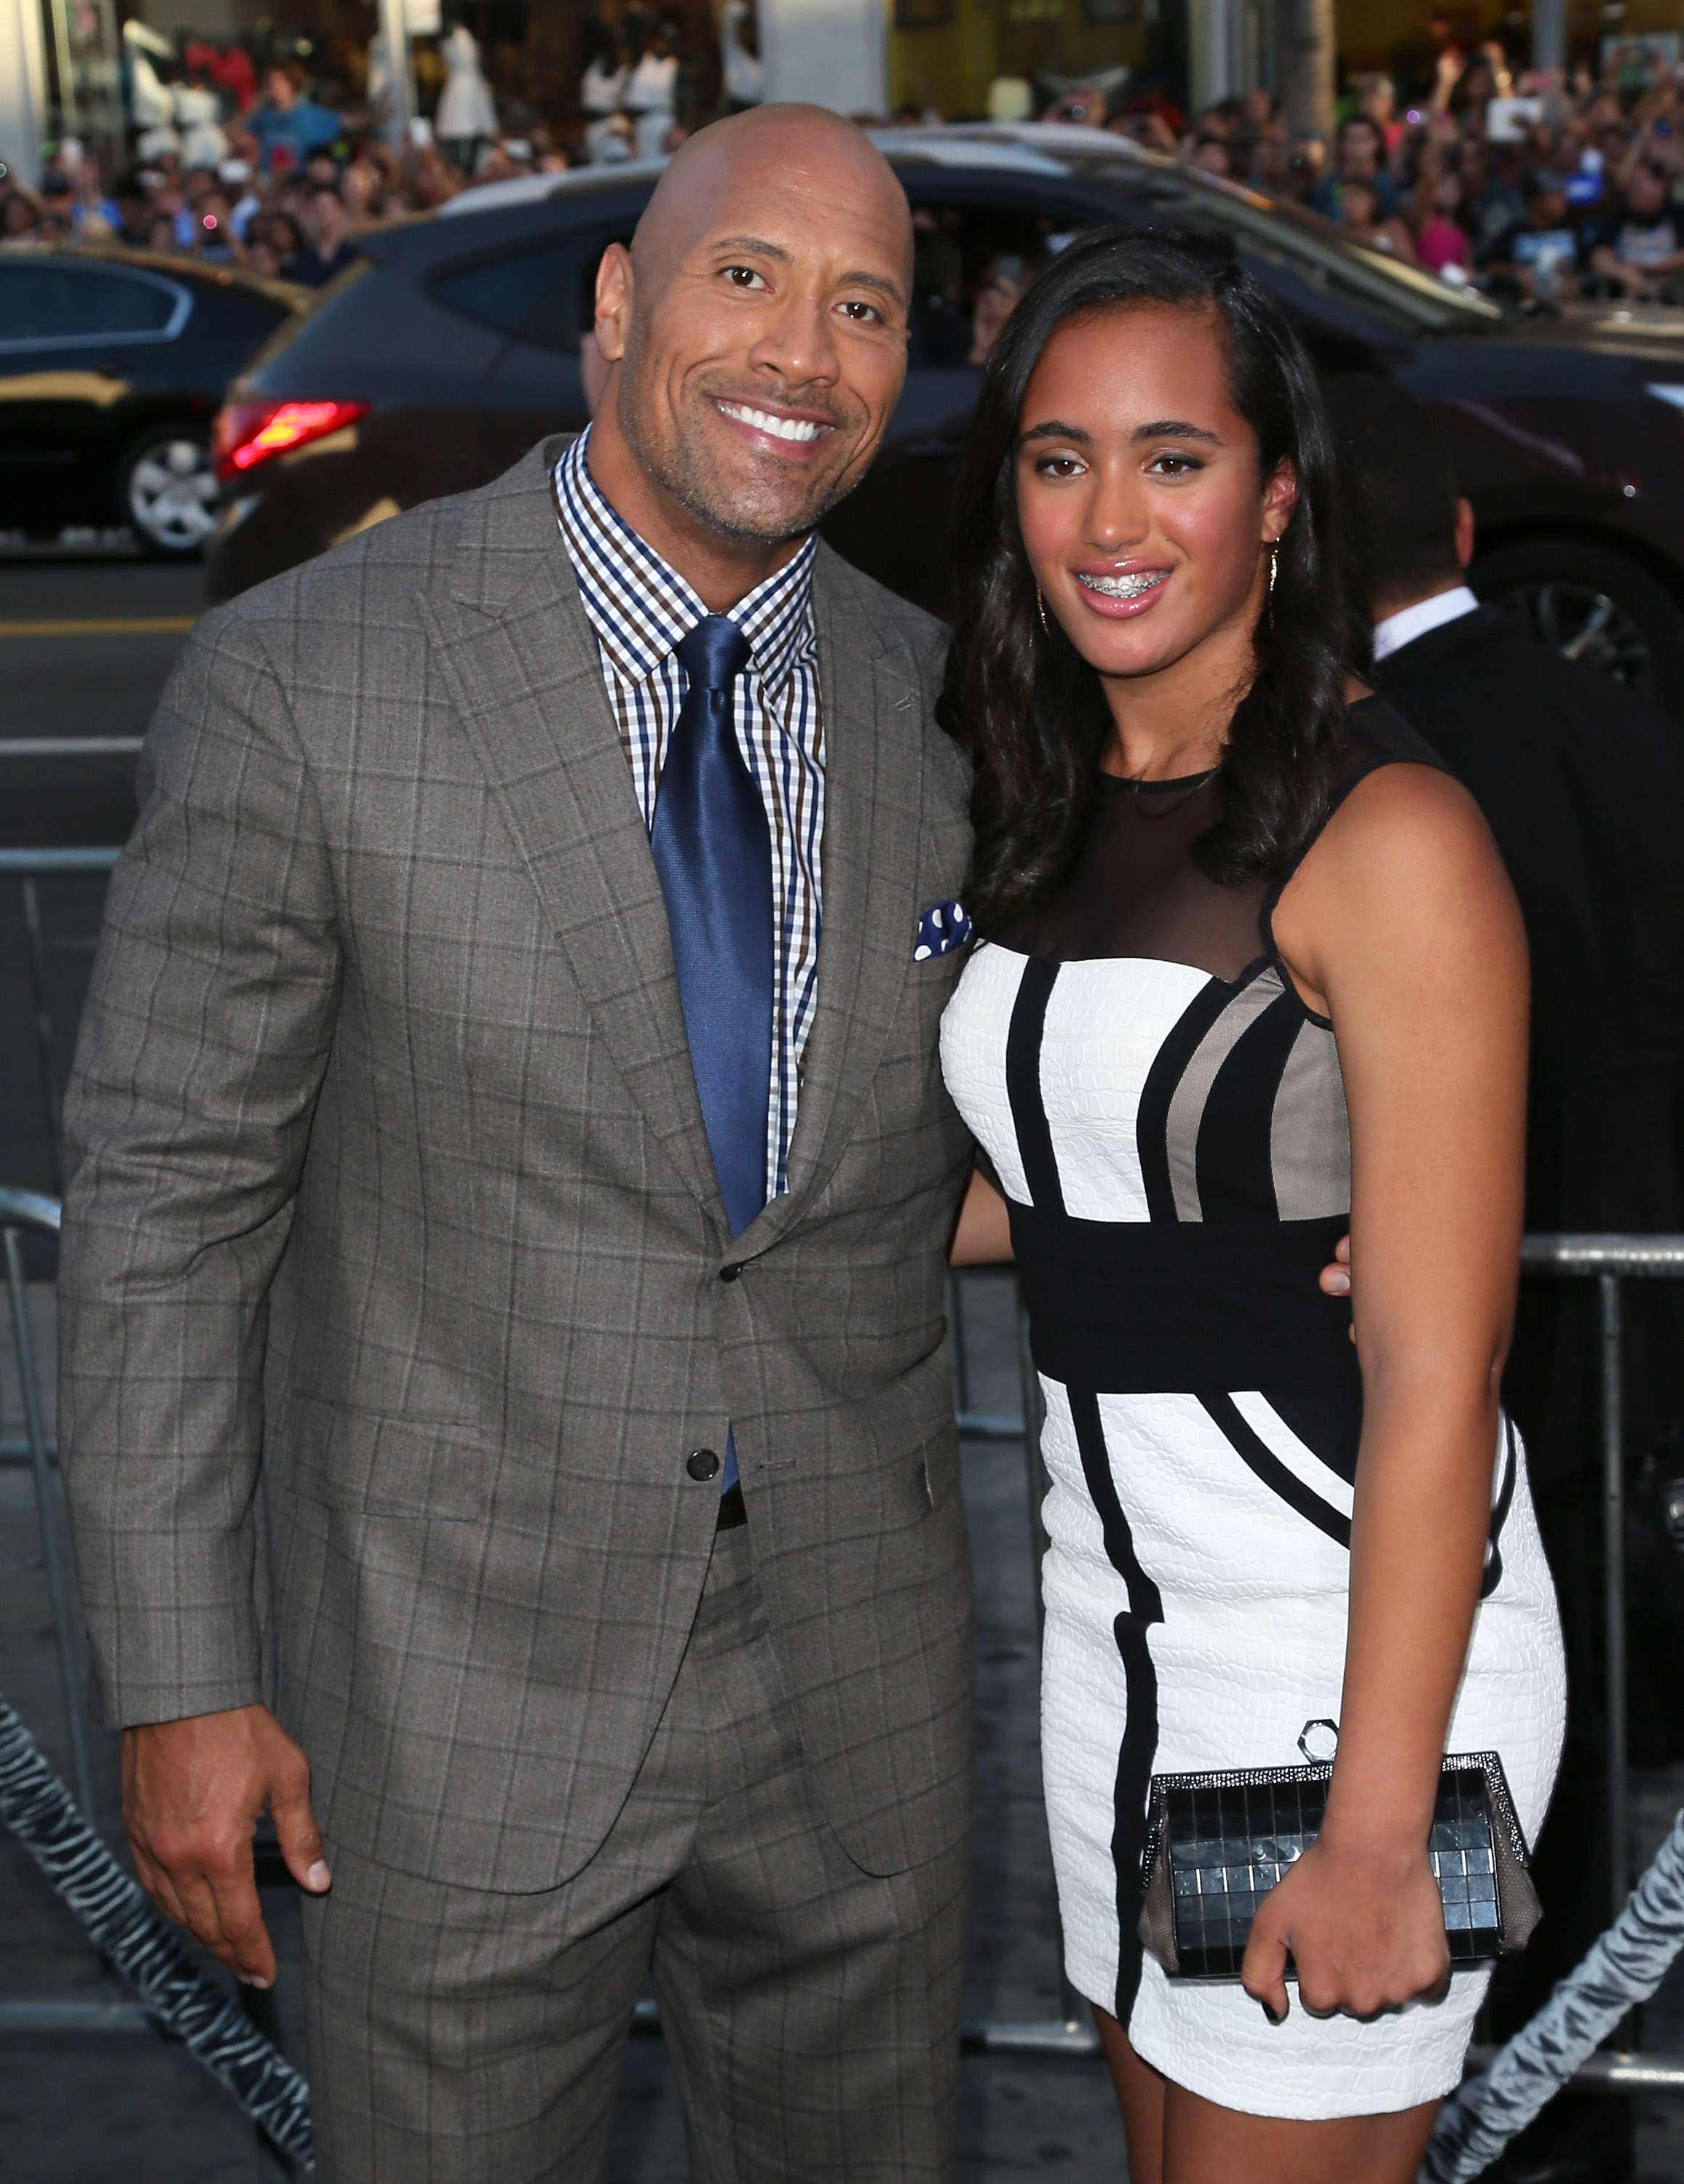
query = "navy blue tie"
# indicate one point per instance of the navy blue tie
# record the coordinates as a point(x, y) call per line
point(712, 849)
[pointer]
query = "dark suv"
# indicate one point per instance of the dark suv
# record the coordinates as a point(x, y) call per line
point(433, 366)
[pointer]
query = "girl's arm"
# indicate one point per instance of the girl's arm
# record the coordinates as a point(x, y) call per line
point(1402, 927)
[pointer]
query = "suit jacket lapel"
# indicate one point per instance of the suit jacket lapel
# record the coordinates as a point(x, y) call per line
point(522, 666)
point(874, 793)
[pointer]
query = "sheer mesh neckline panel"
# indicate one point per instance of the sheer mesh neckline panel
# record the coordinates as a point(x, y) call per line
point(1136, 891)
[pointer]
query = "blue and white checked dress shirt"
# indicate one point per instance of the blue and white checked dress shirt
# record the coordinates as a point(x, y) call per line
point(639, 608)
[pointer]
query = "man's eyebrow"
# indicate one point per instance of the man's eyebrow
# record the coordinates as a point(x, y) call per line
point(879, 282)
point(760, 247)
point(757, 243)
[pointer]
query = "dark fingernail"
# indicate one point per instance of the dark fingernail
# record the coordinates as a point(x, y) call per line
point(1274, 2016)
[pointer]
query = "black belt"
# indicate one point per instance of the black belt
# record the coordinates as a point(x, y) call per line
point(1139, 1307)
point(732, 1512)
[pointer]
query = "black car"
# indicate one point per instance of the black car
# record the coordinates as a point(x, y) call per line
point(111, 365)
point(433, 365)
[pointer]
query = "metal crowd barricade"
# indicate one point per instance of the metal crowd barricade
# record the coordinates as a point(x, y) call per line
point(1609, 1261)
point(24, 1213)
point(27, 866)
point(32, 865)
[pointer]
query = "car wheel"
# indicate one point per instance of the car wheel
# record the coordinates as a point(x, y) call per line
point(166, 488)
point(1589, 602)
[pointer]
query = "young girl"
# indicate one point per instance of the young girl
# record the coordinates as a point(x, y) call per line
point(1251, 970)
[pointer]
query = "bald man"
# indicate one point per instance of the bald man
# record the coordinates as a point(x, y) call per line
point(503, 1398)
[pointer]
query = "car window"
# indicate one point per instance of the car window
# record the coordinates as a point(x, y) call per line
point(971, 262)
point(45, 305)
point(977, 250)
point(502, 293)
point(543, 292)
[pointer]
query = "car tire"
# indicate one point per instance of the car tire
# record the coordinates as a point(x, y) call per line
point(1593, 603)
point(166, 490)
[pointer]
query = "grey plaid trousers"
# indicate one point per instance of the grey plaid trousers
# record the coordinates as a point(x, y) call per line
point(811, 2010)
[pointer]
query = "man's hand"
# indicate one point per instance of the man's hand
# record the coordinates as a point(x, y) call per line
point(194, 1792)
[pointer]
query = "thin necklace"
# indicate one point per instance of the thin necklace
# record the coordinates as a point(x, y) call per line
point(1189, 785)
point(1139, 781)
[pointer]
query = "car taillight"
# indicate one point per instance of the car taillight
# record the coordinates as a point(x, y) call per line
point(249, 432)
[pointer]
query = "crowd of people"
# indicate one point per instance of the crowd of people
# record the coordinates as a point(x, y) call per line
point(1543, 185)
point(286, 190)
point(1547, 186)
point(257, 166)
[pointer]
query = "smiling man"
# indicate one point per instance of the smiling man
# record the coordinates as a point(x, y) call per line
point(502, 1390)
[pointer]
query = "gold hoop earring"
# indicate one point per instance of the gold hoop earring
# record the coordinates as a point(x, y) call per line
point(1273, 564)
point(1041, 604)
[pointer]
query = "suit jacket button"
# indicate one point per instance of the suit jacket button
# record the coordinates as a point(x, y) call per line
point(729, 1273)
point(702, 1463)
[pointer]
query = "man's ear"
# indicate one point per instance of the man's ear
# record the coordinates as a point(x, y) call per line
point(1465, 531)
point(614, 302)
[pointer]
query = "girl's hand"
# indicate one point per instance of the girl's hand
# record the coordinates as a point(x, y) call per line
point(1365, 1927)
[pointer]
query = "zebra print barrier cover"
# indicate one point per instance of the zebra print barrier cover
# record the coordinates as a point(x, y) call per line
point(120, 1919)
point(1625, 1967)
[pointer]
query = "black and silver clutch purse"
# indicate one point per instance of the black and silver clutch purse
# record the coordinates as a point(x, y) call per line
point(1216, 1843)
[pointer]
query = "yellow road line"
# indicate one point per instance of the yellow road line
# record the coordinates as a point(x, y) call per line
point(122, 626)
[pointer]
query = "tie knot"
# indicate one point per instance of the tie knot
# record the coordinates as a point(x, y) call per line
point(714, 654)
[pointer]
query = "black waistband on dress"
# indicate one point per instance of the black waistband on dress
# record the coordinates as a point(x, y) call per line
point(1142, 1307)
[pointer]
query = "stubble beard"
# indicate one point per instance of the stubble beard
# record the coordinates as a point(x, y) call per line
point(684, 474)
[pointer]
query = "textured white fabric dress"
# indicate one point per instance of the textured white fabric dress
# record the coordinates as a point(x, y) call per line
point(1174, 1146)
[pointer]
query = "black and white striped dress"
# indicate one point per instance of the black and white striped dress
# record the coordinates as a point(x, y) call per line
point(1167, 1122)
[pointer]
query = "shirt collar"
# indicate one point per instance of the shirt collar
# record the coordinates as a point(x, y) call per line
point(1403, 628)
point(640, 606)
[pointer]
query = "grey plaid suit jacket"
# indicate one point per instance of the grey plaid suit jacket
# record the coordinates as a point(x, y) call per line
point(391, 1294)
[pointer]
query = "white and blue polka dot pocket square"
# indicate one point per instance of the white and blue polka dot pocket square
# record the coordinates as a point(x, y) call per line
point(943, 929)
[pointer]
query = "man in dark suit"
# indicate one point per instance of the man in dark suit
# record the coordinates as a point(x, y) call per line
point(1582, 781)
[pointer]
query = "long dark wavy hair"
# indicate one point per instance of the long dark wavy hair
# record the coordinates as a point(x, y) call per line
point(1022, 701)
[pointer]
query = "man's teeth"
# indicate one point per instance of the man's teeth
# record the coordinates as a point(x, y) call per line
point(781, 428)
point(1125, 588)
